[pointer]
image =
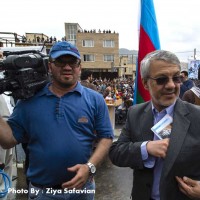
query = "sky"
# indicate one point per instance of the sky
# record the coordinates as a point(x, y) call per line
point(178, 20)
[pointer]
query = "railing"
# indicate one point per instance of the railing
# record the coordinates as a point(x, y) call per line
point(14, 38)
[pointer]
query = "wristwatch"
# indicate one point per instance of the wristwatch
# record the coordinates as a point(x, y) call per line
point(92, 168)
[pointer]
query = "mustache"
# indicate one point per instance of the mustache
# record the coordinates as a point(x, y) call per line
point(67, 71)
point(169, 92)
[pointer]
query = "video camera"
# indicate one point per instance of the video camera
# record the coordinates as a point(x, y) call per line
point(25, 72)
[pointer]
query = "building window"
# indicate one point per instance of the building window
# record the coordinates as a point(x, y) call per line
point(88, 43)
point(73, 42)
point(71, 33)
point(88, 58)
point(108, 43)
point(108, 58)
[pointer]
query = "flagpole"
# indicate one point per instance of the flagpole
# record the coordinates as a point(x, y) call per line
point(136, 60)
point(136, 83)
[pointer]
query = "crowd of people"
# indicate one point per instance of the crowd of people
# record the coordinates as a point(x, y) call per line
point(37, 39)
point(62, 121)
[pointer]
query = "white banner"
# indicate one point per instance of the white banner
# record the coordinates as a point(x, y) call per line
point(193, 66)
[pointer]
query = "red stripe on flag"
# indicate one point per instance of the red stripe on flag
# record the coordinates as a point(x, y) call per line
point(145, 47)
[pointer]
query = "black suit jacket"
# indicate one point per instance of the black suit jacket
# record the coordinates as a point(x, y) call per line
point(183, 155)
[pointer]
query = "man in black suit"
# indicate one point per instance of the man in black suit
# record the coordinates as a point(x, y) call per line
point(160, 164)
point(86, 79)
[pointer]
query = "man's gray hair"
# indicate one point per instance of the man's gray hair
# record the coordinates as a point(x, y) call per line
point(162, 55)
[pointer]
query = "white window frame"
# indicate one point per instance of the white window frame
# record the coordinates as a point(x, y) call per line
point(88, 58)
point(109, 43)
point(108, 58)
point(88, 43)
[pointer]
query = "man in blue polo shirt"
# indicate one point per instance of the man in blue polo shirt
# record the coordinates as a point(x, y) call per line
point(60, 124)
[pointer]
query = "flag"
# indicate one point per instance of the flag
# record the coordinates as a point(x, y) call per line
point(148, 42)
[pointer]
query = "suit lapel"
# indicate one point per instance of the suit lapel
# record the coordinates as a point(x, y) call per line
point(147, 123)
point(179, 130)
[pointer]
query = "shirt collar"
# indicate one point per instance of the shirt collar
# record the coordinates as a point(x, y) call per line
point(46, 91)
point(169, 110)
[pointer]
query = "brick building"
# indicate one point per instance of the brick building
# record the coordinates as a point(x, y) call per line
point(99, 49)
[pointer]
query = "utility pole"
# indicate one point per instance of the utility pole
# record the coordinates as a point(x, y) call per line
point(195, 54)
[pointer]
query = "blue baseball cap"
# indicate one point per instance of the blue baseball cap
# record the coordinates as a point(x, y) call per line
point(63, 48)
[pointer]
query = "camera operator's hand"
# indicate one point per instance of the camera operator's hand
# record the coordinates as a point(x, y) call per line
point(79, 180)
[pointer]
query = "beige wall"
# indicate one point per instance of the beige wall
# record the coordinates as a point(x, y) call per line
point(33, 36)
point(125, 68)
point(98, 50)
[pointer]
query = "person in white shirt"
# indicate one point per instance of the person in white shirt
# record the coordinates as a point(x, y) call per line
point(6, 155)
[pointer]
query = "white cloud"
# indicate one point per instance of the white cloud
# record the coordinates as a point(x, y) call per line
point(178, 20)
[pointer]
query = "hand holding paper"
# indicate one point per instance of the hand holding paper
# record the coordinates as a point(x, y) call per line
point(163, 128)
point(158, 148)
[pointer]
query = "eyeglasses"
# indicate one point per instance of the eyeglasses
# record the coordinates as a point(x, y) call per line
point(61, 63)
point(164, 79)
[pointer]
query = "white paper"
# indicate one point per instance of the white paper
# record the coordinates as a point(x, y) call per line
point(163, 129)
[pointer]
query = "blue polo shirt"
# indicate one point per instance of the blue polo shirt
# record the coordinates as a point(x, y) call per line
point(59, 131)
